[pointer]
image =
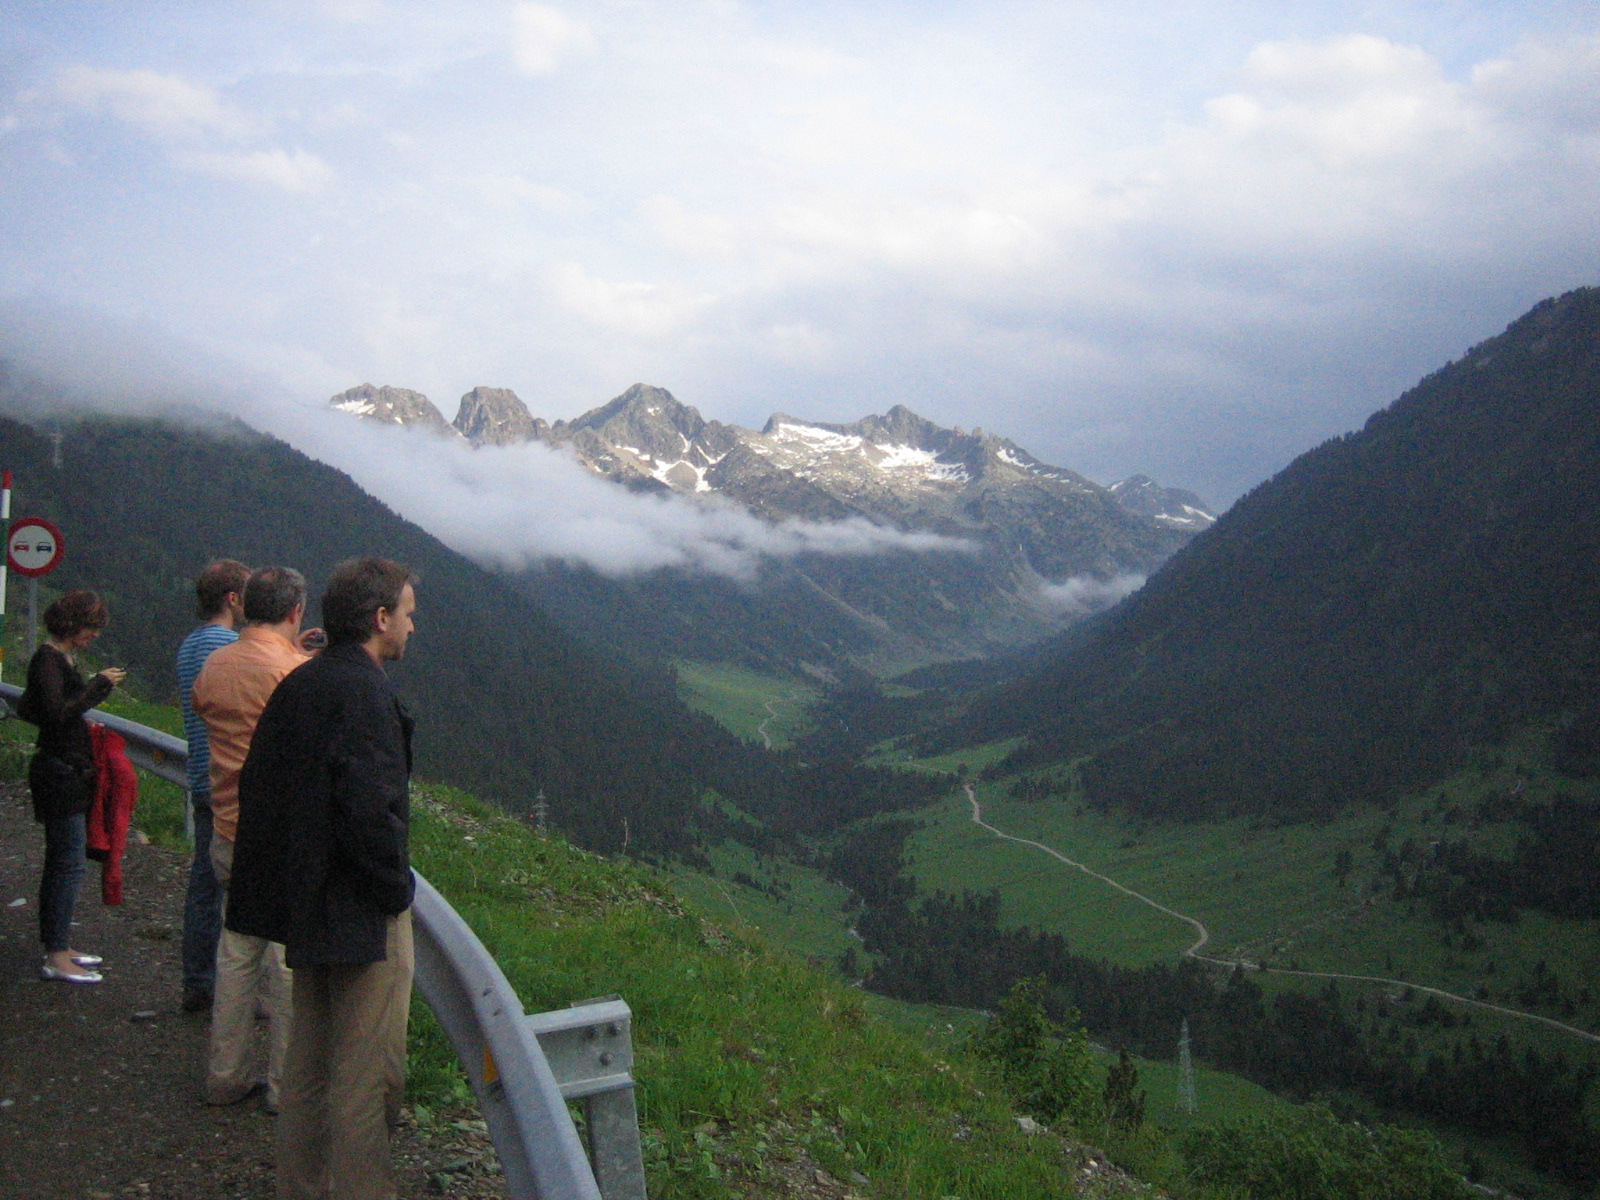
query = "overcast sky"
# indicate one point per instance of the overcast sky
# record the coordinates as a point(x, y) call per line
point(1190, 240)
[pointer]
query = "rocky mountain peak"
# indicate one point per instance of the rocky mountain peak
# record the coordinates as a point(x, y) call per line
point(648, 422)
point(394, 405)
point(642, 404)
point(494, 417)
point(902, 426)
point(1175, 508)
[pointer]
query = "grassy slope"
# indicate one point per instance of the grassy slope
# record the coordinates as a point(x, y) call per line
point(791, 906)
point(1268, 893)
point(744, 1055)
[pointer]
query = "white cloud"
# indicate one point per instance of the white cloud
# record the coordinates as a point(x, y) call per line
point(1553, 85)
point(648, 310)
point(1085, 594)
point(513, 191)
point(195, 123)
point(163, 105)
point(516, 506)
point(298, 172)
point(542, 36)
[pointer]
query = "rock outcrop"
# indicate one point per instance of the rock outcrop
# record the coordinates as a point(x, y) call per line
point(491, 416)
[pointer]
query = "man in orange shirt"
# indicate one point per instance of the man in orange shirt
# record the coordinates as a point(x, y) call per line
point(232, 689)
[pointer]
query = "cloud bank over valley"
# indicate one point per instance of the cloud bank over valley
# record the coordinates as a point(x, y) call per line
point(509, 506)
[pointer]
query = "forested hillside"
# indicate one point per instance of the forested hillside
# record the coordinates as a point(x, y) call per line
point(506, 702)
point(1352, 625)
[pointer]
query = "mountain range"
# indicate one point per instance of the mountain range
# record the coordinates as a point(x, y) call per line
point(1355, 625)
point(1017, 527)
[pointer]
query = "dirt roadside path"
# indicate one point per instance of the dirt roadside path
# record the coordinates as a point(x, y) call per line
point(100, 1086)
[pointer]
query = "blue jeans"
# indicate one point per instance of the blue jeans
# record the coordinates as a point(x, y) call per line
point(202, 906)
point(58, 885)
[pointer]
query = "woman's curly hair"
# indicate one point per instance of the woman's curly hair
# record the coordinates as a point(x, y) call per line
point(75, 611)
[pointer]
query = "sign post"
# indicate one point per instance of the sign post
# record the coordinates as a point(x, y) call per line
point(33, 548)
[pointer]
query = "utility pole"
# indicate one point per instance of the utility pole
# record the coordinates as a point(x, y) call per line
point(1185, 1070)
point(540, 808)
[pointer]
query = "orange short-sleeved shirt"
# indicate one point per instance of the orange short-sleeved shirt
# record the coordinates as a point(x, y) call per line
point(229, 694)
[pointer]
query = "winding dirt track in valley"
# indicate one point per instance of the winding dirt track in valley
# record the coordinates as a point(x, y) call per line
point(1203, 936)
point(772, 715)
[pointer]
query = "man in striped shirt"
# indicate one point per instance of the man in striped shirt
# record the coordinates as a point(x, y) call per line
point(219, 595)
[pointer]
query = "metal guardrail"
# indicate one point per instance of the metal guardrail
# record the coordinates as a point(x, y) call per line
point(523, 1068)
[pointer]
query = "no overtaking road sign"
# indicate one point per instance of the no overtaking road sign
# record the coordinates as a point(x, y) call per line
point(34, 547)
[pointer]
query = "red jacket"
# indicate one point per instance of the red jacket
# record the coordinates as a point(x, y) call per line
point(115, 795)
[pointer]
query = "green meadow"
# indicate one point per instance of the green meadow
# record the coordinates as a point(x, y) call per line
point(1267, 894)
point(746, 702)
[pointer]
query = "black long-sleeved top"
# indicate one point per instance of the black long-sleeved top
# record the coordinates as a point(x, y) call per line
point(58, 696)
point(323, 852)
point(56, 699)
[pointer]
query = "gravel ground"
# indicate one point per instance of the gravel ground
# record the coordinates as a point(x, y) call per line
point(100, 1087)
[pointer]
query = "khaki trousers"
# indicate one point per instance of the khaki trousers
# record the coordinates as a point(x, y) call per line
point(247, 967)
point(345, 1075)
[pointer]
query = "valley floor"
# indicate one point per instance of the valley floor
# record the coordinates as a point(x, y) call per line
point(1204, 938)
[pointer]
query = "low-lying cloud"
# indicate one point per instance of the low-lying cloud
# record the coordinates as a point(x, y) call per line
point(511, 506)
point(1085, 594)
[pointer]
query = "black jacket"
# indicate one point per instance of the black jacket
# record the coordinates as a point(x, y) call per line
point(62, 775)
point(323, 852)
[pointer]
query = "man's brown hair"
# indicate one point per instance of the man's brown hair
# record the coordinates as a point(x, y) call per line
point(357, 589)
point(216, 581)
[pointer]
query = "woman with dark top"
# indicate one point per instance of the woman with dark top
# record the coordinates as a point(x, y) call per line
point(62, 773)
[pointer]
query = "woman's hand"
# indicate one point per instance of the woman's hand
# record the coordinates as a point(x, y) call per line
point(114, 675)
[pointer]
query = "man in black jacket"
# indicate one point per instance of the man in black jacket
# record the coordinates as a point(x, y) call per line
point(322, 864)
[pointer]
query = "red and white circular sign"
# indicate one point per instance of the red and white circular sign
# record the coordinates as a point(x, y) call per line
point(34, 547)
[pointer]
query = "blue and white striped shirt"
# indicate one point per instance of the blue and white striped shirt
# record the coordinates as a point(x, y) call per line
point(192, 655)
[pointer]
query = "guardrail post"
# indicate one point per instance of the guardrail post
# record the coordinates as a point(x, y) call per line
point(537, 1143)
point(590, 1050)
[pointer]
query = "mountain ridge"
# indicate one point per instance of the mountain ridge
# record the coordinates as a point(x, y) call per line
point(1032, 525)
point(1351, 626)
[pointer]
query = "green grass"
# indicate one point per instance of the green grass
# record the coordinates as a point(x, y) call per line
point(1269, 894)
point(1266, 894)
point(1218, 1095)
point(790, 906)
point(744, 1055)
point(970, 758)
point(746, 702)
point(950, 853)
